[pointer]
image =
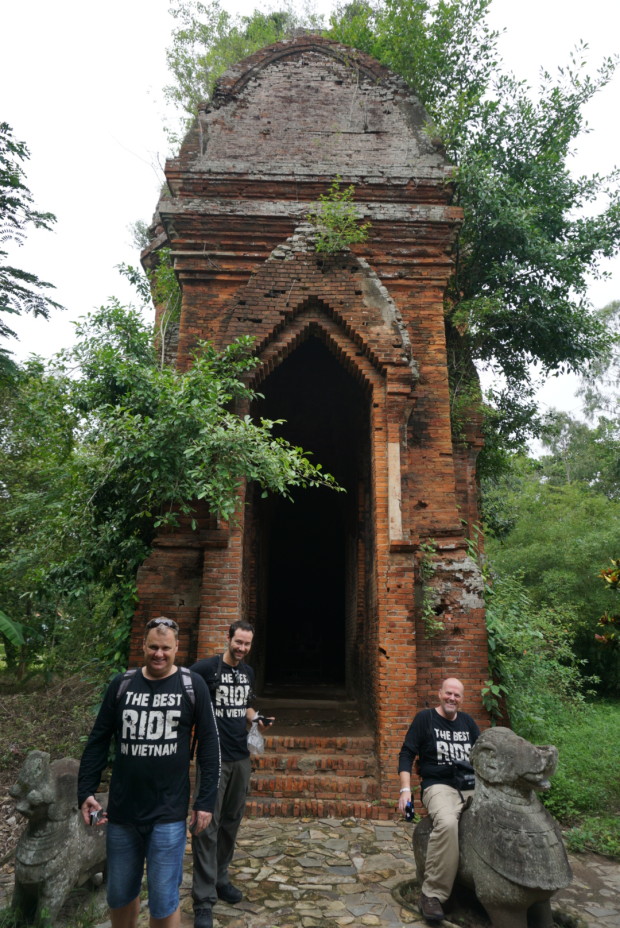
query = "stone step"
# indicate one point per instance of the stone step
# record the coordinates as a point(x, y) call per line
point(302, 807)
point(314, 787)
point(318, 762)
point(317, 744)
point(306, 763)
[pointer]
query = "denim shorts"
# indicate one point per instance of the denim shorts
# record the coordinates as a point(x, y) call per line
point(162, 847)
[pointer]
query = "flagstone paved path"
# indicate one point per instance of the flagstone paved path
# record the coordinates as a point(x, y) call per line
point(331, 873)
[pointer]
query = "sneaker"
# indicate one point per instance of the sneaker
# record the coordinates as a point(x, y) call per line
point(431, 909)
point(229, 893)
point(203, 917)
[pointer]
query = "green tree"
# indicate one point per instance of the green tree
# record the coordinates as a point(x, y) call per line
point(531, 651)
point(207, 40)
point(527, 245)
point(600, 387)
point(105, 446)
point(579, 453)
point(552, 532)
point(20, 291)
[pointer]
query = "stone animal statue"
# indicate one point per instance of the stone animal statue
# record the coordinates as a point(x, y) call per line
point(57, 851)
point(511, 849)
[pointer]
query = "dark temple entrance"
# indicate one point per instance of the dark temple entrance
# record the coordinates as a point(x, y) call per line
point(308, 552)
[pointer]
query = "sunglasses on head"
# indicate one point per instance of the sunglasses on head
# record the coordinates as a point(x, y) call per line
point(169, 623)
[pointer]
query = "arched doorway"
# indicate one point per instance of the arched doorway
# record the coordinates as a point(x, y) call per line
point(310, 554)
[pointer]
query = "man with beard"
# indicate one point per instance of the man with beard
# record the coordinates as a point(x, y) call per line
point(230, 681)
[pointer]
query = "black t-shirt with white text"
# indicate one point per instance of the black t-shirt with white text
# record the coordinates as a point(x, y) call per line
point(231, 694)
point(438, 743)
point(151, 724)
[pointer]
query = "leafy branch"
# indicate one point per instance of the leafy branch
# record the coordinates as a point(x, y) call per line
point(336, 220)
point(427, 568)
point(610, 623)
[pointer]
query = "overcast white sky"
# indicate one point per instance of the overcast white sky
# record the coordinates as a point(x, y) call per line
point(81, 84)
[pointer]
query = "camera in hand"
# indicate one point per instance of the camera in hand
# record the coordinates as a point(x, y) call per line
point(265, 719)
point(96, 816)
point(409, 813)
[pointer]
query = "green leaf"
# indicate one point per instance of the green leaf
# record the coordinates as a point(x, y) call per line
point(13, 631)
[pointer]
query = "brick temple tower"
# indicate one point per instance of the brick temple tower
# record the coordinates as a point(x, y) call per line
point(354, 359)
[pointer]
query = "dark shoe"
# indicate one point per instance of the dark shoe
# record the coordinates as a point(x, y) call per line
point(203, 917)
point(431, 908)
point(228, 893)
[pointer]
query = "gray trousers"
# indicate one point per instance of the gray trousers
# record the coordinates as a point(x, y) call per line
point(213, 848)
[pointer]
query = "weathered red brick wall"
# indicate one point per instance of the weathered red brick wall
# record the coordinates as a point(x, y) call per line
point(281, 126)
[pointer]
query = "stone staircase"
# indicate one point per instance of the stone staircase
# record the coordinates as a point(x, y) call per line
point(318, 762)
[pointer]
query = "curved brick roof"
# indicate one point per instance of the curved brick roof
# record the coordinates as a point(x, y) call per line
point(312, 106)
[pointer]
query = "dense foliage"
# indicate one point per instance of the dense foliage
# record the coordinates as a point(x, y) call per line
point(101, 448)
point(549, 648)
point(532, 233)
point(207, 40)
point(554, 523)
point(585, 791)
point(20, 291)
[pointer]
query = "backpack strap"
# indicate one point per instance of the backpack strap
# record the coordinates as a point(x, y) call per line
point(124, 684)
point(188, 686)
point(186, 681)
point(212, 684)
point(214, 681)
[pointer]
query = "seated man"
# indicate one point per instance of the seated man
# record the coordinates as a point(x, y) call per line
point(439, 737)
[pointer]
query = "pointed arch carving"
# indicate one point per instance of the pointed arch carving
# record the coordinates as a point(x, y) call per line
point(314, 319)
point(345, 290)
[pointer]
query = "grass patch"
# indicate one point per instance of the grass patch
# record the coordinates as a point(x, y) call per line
point(600, 834)
point(585, 791)
point(53, 719)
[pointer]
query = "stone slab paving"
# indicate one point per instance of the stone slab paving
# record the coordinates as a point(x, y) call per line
point(328, 873)
point(333, 873)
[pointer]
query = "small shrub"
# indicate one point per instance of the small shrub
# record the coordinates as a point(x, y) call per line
point(531, 657)
point(601, 835)
point(427, 566)
point(336, 220)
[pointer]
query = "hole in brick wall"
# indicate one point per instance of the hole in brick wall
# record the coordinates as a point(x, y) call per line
point(273, 293)
point(417, 429)
point(306, 558)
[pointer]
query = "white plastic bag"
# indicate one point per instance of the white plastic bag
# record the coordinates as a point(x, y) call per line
point(256, 742)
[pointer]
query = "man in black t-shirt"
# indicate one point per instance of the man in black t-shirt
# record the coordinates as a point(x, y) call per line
point(230, 682)
point(150, 713)
point(438, 738)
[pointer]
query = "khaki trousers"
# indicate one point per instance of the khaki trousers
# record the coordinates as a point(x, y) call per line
point(444, 805)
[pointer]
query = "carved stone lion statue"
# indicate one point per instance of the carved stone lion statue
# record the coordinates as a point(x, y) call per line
point(511, 849)
point(57, 851)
